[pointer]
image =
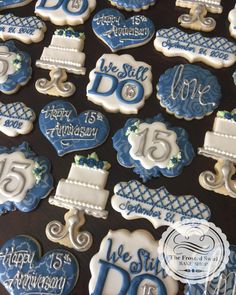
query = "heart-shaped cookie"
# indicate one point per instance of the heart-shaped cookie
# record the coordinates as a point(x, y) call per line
point(68, 131)
point(118, 33)
point(24, 271)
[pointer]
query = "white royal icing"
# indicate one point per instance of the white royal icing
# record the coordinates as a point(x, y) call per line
point(65, 12)
point(232, 19)
point(6, 63)
point(16, 176)
point(153, 145)
point(120, 83)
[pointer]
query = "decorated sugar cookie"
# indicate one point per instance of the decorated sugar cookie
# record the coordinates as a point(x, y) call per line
point(219, 144)
point(6, 4)
point(128, 263)
point(188, 91)
point(25, 178)
point(83, 192)
point(133, 5)
point(217, 52)
point(197, 18)
point(118, 33)
point(234, 77)
point(16, 118)
point(119, 83)
point(134, 200)
point(65, 12)
point(232, 20)
point(26, 29)
point(67, 131)
point(224, 284)
point(64, 54)
point(152, 148)
point(25, 271)
point(15, 68)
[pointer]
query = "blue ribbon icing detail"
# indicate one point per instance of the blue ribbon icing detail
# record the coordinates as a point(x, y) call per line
point(118, 33)
point(122, 146)
point(133, 4)
point(229, 273)
point(29, 273)
point(189, 91)
point(67, 131)
point(40, 190)
point(4, 4)
point(21, 76)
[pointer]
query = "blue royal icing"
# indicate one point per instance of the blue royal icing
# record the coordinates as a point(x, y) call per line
point(43, 184)
point(67, 131)
point(118, 33)
point(22, 71)
point(234, 77)
point(122, 146)
point(5, 4)
point(24, 271)
point(133, 4)
point(225, 284)
point(188, 91)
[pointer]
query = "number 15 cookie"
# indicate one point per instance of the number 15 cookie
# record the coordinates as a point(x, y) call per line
point(152, 148)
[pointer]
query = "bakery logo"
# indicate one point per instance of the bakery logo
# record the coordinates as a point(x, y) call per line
point(195, 251)
point(128, 263)
point(120, 83)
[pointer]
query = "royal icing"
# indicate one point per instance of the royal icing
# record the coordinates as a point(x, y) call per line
point(219, 144)
point(25, 178)
point(153, 148)
point(64, 54)
point(234, 77)
point(189, 91)
point(224, 284)
point(68, 132)
point(197, 19)
point(15, 68)
point(127, 263)
point(65, 12)
point(16, 118)
point(232, 20)
point(120, 83)
point(118, 33)
point(81, 193)
point(133, 5)
point(26, 29)
point(24, 271)
point(134, 200)
point(217, 52)
point(6, 4)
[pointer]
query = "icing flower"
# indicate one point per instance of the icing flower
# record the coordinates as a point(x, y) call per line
point(133, 128)
point(69, 33)
point(174, 161)
point(38, 172)
point(92, 161)
point(227, 115)
point(17, 62)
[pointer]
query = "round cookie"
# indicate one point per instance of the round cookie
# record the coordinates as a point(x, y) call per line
point(188, 92)
point(133, 5)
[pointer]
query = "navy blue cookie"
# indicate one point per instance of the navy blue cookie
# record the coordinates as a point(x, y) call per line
point(133, 5)
point(118, 33)
point(152, 148)
point(188, 91)
point(67, 131)
point(24, 271)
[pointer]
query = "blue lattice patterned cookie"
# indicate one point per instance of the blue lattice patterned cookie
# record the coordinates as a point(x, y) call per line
point(152, 148)
point(188, 91)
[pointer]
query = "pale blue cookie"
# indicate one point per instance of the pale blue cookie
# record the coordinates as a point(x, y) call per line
point(152, 148)
point(6, 4)
point(23, 269)
point(119, 33)
point(188, 91)
point(133, 5)
point(25, 178)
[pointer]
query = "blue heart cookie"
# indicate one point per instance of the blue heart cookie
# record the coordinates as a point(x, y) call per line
point(135, 5)
point(25, 178)
point(24, 271)
point(5, 4)
point(68, 131)
point(118, 33)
